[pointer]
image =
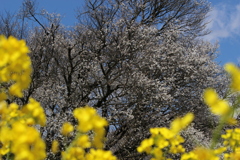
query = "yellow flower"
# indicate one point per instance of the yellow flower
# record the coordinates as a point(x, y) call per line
point(181, 123)
point(98, 138)
point(3, 96)
point(217, 105)
point(158, 153)
point(232, 138)
point(3, 108)
point(67, 128)
point(88, 119)
point(15, 65)
point(189, 156)
point(234, 72)
point(26, 142)
point(232, 121)
point(220, 150)
point(210, 96)
point(146, 145)
point(100, 155)
point(4, 149)
point(5, 140)
point(74, 153)
point(176, 140)
point(220, 108)
point(34, 109)
point(232, 156)
point(83, 141)
point(161, 142)
point(13, 109)
point(55, 146)
point(204, 153)
point(177, 149)
point(84, 116)
point(154, 131)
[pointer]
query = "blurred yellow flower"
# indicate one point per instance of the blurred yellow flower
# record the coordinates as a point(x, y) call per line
point(89, 119)
point(26, 142)
point(35, 110)
point(83, 141)
point(234, 72)
point(146, 145)
point(189, 156)
point(217, 105)
point(67, 128)
point(15, 65)
point(181, 123)
point(204, 153)
point(55, 146)
point(100, 155)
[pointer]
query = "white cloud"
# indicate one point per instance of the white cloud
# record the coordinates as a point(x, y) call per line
point(225, 22)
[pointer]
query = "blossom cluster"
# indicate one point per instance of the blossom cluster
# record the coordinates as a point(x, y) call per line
point(232, 142)
point(15, 66)
point(89, 122)
point(166, 140)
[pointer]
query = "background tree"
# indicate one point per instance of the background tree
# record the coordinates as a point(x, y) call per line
point(140, 63)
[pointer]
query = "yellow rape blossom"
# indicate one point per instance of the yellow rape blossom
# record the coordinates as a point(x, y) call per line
point(74, 153)
point(15, 65)
point(100, 155)
point(55, 146)
point(17, 137)
point(67, 128)
point(234, 72)
point(204, 153)
point(232, 138)
point(3, 96)
point(5, 140)
point(34, 109)
point(27, 143)
point(88, 119)
point(189, 156)
point(217, 105)
point(201, 153)
point(166, 133)
point(165, 139)
point(83, 141)
point(146, 145)
point(181, 123)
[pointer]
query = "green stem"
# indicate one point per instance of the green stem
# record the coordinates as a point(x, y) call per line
point(8, 156)
point(217, 134)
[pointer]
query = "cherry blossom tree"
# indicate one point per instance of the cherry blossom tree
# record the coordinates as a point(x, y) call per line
point(140, 63)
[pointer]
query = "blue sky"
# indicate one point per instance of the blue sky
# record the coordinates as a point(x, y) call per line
point(225, 22)
point(225, 27)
